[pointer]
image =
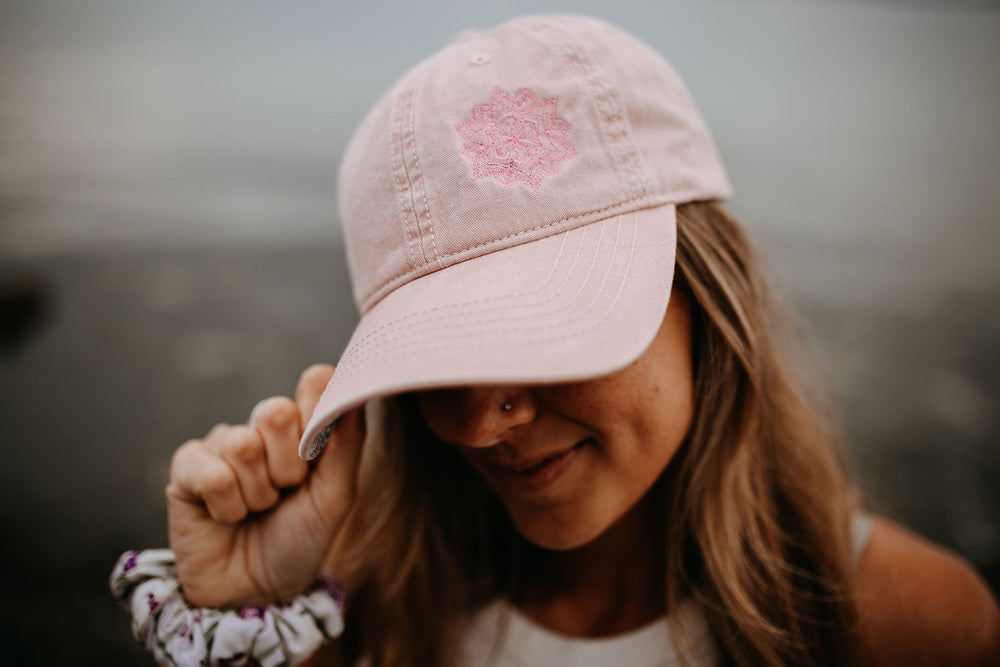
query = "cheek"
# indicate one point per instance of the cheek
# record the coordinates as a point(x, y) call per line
point(669, 400)
point(653, 413)
point(650, 429)
point(672, 414)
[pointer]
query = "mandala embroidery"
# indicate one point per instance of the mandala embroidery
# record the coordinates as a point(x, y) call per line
point(515, 138)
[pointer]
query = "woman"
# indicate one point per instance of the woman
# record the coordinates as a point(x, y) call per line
point(586, 441)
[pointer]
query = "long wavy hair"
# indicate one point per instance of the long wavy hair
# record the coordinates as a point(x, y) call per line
point(757, 498)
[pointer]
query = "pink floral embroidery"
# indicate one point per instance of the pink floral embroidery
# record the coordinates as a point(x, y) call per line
point(515, 138)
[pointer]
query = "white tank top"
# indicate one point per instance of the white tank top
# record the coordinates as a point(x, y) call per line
point(501, 636)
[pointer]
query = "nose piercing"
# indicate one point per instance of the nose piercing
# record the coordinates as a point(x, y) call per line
point(507, 407)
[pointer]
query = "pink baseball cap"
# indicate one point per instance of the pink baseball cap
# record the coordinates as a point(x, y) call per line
point(508, 212)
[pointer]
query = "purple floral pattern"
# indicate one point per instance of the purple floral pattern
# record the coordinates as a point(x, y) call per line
point(252, 611)
point(131, 560)
point(286, 633)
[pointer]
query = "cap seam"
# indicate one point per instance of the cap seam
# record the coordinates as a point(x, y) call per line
point(544, 308)
point(375, 334)
point(402, 179)
point(648, 202)
point(576, 58)
point(412, 138)
point(482, 316)
point(355, 358)
point(395, 351)
point(363, 342)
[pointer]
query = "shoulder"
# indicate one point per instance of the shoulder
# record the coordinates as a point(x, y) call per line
point(919, 603)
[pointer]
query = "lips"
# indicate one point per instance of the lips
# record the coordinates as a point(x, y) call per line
point(531, 475)
point(528, 465)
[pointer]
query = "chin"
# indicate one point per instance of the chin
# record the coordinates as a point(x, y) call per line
point(556, 535)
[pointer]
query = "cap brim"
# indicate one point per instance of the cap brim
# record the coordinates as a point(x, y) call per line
point(572, 306)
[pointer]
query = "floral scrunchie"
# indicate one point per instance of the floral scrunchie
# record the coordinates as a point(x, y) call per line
point(280, 635)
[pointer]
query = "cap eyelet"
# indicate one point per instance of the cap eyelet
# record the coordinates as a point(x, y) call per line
point(480, 59)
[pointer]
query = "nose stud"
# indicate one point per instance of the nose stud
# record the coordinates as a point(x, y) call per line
point(507, 407)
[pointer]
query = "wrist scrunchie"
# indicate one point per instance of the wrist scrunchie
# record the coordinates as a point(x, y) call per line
point(281, 634)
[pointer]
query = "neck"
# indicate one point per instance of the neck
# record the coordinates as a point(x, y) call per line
point(611, 585)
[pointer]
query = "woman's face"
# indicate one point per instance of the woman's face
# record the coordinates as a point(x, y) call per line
point(570, 460)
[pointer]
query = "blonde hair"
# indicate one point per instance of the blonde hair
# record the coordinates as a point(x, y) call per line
point(756, 503)
point(760, 508)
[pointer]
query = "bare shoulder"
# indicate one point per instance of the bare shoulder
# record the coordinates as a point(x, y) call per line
point(920, 604)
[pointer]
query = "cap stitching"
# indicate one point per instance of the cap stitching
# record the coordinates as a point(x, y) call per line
point(627, 159)
point(483, 136)
point(608, 103)
point(359, 353)
point(423, 193)
point(406, 142)
point(645, 202)
point(548, 35)
point(397, 350)
point(337, 379)
point(402, 183)
point(362, 342)
point(357, 346)
point(355, 356)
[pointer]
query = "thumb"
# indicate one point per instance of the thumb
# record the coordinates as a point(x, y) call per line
point(333, 483)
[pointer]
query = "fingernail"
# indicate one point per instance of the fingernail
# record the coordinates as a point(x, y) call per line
point(319, 442)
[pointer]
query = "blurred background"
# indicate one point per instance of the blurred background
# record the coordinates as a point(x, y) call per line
point(169, 250)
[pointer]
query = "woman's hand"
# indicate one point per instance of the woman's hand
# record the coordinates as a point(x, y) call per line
point(251, 522)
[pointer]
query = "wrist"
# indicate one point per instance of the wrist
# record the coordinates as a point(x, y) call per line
point(283, 633)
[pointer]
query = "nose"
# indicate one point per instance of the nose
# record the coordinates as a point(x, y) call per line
point(477, 416)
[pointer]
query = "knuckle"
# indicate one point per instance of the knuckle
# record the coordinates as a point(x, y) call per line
point(171, 490)
point(241, 432)
point(217, 431)
point(181, 455)
point(244, 444)
point(217, 481)
point(277, 412)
